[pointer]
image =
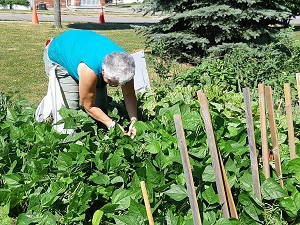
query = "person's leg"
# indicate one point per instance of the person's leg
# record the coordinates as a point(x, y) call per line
point(69, 87)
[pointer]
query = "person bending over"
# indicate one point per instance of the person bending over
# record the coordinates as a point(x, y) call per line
point(84, 63)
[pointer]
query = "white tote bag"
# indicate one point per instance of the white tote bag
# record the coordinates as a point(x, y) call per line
point(51, 103)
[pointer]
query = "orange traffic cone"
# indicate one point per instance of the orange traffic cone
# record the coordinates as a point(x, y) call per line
point(101, 18)
point(35, 19)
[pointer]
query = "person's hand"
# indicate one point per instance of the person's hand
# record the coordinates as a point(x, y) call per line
point(122, 129)
point(113, 124)
point(132, 130)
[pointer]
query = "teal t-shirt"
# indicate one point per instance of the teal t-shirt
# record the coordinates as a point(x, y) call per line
point(75, 46)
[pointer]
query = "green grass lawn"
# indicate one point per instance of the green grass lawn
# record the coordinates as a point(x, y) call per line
point(297, 31)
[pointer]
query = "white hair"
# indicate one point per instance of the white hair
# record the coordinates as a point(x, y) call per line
point(119, 66)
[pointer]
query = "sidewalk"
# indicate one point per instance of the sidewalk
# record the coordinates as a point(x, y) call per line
point(121, 16)
point(296, 20)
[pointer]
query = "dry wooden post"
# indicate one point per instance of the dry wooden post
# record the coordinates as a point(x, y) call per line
point(187, 170)
point(289, 118)
point(231, 204)
point(298, 87)
point(252, 143)
point(263, 130)
point(224, 192)
point(276, 153)
point(147, 204)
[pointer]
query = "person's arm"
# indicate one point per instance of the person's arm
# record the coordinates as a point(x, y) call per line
point(131, 106)
point(87, 92)
point(130, 99)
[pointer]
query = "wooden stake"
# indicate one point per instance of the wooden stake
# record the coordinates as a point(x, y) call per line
point(252, 143)
point(289, 118)
point(231, 204)
point(263, 130)
point(276, 153)
point(147, 204)
point(187, 169)
point(224, 192)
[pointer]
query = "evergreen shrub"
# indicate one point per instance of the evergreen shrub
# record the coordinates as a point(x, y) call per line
point(195, 28)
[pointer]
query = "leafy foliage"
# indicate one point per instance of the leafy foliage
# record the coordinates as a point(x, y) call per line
point(94, 175)
point(16, 2)
point(293, 5)
point(194, 27)
point(271, 64)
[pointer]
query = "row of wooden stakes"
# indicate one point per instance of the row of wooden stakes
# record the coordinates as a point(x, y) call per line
point(223, 188)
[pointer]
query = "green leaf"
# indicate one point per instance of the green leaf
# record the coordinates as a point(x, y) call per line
point(177, 192)
point(162, 161)
point(141, 127)
point(4, 195)
point(122, 198)
point(232, 131)
point(101, 179)
point(136, 208)
point(208, 174)
point(154, 177)
point(5, 209)
point(199, 152)
point(64, 161)
point(117, 179)
point(129, 219)
point(75, 137)
point(210, 196)
point(47, 199)
point(217, 106)
point(97, 217)
point(271, 190)
point(47, 219)
point(171, 219)
point(292, 166)
point(224, 221)
point(170, 112)
point(292, 205)
point(191, 120)
point(116, 159)
point(253, 211)
point(235, 147)
point(246, 181)
point(109, 208)
point(24, 219)
point(13, 180)
point(153, 147)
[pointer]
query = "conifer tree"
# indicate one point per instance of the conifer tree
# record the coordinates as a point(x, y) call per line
point(196, 27)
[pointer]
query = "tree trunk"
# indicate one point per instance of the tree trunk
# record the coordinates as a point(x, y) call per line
point(57, 14)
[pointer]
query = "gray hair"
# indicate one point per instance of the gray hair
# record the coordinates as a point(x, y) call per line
point(119, 66)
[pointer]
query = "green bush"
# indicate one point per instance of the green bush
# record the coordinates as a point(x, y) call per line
point(247, 66)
